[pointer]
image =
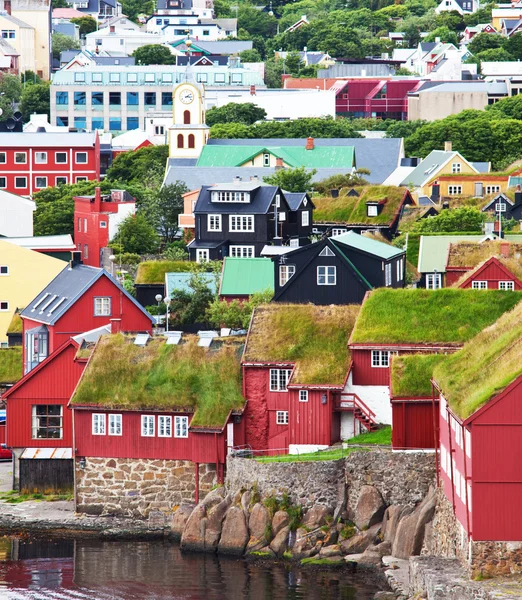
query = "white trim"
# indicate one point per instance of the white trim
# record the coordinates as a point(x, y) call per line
point(181, 425)
point(148, 426)
point(281, 417)
point(246, 223)
point(380, 359)
point(114, 420)
point(479, 285)
point(164, 426)
point(218, 219)
point(303, 395)
point(98, 426)
point(242, 251)
point(506, 285)
point(329, 272)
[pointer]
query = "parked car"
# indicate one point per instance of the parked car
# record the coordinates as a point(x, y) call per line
point(5, 453)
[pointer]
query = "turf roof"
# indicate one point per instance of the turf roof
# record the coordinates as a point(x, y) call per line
point(16, 325)
point(353, 209)
point(121, 375)
point(153, 271)
point(448, 316)
point(313, 337)
point(411, 374)
point(10, 364)
point(470, 254)
point(484, 367)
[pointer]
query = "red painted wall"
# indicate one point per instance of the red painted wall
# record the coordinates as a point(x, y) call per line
point(453, 274)
point(492, 273)
point(413, 423)
point(256, 415)
point(197, 447)
point(364, 374)
point(52, 383)
point(311, 422)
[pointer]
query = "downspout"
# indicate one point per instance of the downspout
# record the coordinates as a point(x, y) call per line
point(466, 479)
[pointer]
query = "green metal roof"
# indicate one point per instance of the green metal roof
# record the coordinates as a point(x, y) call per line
point(181, 281)
point(366, 244)
point(245, 276)
point(295, 156)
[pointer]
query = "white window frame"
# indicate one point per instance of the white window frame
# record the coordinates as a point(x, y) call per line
point(241, 223)
point(5, 269)
point(326, 275)
point(3, 158)
point(387, 274)
point(266, 159)
point(242, 251)
point(500, 207)
point(202, 255)
point(102, 306)
point(99, 424)
point(442, 406)
point(59, 162)
point(456, 168)
point(20, 162)
point(380, 359)
point(294, 243)
point(43, 156)
point(282, 216)
point(443, 459)
point(372, 210)
point(64, 182)
point(214, 222)
point(181, 427)
point(164, 426)
point(286, 272)
point(279, 379)
point(433, 281)
point(103, 224)
point(115, 424)
point(454, 190)
point(78, 162)
point(479, 285)
point(281, 417)
point(303, 395)
point(40, 187)
point(305, 218)
point(20, 187)
point(148, 426)
point(336, 231)
point(3, 183)
point(492, 189)
point(506, 285)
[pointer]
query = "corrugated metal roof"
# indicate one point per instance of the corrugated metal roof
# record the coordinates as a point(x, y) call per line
point(37, 140)
point(366, 244)
point(47, 453)
point(62, 242)
point(180, 282)
point(356, 70)
point(428, 168)
point(245, 276)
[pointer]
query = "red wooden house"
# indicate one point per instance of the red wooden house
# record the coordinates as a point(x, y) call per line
point(403, 322)
point(480, 432)
point(292, 387)
point(149, 410)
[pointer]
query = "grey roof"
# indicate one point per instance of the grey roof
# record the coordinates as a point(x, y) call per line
point(427, 46)
point(17, 21)
point(162, 5)
point(356, 70)
point(482, 167)
point(294, 199)
point(66, 29)
point(510, 23)
point(63, 140)
point(428, 167)
point(261, 199)
point(425, 201)
point(440, 64)
point(64, 290)
point(224, 47)
point(114, 60)
point(220, 59)
point(380, 156)
point(464, 86)
point(6, 49)
point(67, 55)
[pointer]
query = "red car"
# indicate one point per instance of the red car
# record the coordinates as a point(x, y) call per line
point(5, 453)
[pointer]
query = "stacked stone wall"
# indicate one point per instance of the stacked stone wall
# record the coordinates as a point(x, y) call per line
point(134, 487)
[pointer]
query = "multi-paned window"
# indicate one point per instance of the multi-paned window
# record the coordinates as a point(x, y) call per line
point(230, 197)
point(326, 275)
point(202, 255)
point(164, 426)
point(242, 251)
point(454, 190)
point(102, 306)
point(303, 395)
point(380, 358)
point(479, 285)
point(456, 168)
point(279, 379)
point(266, 159)
point(47, 421)
point(214, 222)
point(387, 274)
point(500, 207)
point(241, 223)
point(282, 417)
point(502, 285)
point(336, 231)
point(115, 425)
point(147, 426)
point(181, 427)
point(433, 281)
point(372, 210)
point(285, 272)
point(492, 189)
point(305, 218)
point(399, 270)
point(98, 424)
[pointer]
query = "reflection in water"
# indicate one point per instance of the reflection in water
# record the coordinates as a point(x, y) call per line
point(95, 570)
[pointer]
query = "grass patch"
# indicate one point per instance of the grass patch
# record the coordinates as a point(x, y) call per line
point(353, 209)
point(16, 325)
point(14, 497)
point(335, 454)
point(484, 367)
point(322, 562)
point(381, 436)
point(348, 531)
point(121, 375)
point(411, 374)
point(153, 271)
point(261, 554)
point(10, 364)
point(450, 316)
point(312, 337)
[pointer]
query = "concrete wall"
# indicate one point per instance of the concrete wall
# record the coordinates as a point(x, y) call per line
point(431, 106)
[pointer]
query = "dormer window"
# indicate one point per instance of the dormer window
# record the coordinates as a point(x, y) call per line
point(266, 159)
point(372, 210)
point(230, 197)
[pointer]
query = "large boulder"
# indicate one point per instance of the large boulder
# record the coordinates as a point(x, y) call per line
point(280, 520)
point(304, 544)
point(410, 532)
point(258, 525)
point(179, 520)
point(391, 520)
point(279, 545)
point(370, 507)
point(193, 537)
point(329, 551)
point(245, 502)
point(359, 543)
point(234, 534)
point(215, 516)
point(316, 516)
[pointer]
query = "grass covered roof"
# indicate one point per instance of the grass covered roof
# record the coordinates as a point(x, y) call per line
point(470, 254)
point(353, 209)
point(315, 338)
point(16, 325)
point(10, 364)
point(449, 316)
point(484, 367)
point(121, 375)
point(153, 271)
point(411, 374)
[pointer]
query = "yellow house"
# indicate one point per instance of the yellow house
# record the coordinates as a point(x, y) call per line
point(21, 36)
point(37, 14)
point(468, 185)
point(23, 275)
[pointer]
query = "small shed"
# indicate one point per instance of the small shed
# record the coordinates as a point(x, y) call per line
point(243, 277)
point(46, 469)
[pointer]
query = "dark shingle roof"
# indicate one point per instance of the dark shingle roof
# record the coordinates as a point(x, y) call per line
point(261, 200)
point(294, 199)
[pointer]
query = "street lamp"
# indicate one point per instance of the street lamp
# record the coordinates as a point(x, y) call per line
point(167, 302)
point(112, 258)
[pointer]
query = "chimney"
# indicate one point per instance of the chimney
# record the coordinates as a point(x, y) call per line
point(254, 178)
point(112, 29)
point(252, 90)
point(448, 146)
point(504, 249)
point(76, 259)
point(97, 200)
point(7, 6)
point(518, 195)
point(237, 179)
point(115, 325)
point(310, 143)
point(279, 164)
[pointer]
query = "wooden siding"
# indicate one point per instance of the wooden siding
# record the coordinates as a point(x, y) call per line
point(311, 422)
point(42, 475)
point(453, 274)
point(492, 273)
point(413, 422)
point(364, 374)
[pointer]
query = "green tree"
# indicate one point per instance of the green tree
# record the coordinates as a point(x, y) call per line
point(86, 24)
point(187, 308)
point(231, 131)
point(29, 77)
point(513, 45)
point(507, 107)
point(273, 72)
point(459, 219)
point(485, 41)
point(445, 35)
point(154, 54)
point(167, 205)
point(451, 19)
point(492, 55)
point(245, 113)
point(137, 166)
point(236, 314)
point(482, 15)
point(336, 182)
point(134, 8)
point(35, 99)
point(222, 9)
point(248, 56)
point(137, 235)
point(62, 42)
point(292, 180)
point(255, 21)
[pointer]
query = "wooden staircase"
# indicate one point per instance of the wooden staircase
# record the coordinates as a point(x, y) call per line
point(363, 413)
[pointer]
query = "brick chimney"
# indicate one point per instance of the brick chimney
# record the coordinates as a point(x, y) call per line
point(279, 164)
point(252, 90)
point(97, 200)
point(504, 249)
point(112, 29)
point(7, 6)
point(448, 146)
point(310, 143)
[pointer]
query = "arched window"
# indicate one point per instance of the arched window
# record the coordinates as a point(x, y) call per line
point(191, 141)
point(186, 117)
point(180, 140)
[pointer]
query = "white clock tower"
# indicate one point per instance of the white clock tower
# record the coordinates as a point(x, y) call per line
point(188, 133)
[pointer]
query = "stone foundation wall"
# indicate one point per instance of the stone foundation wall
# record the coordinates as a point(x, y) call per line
point(402, 478)
point(134, 487)
point(449, 537)
point(491, 559)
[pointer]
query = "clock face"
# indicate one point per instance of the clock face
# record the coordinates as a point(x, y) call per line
point(186, 96)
